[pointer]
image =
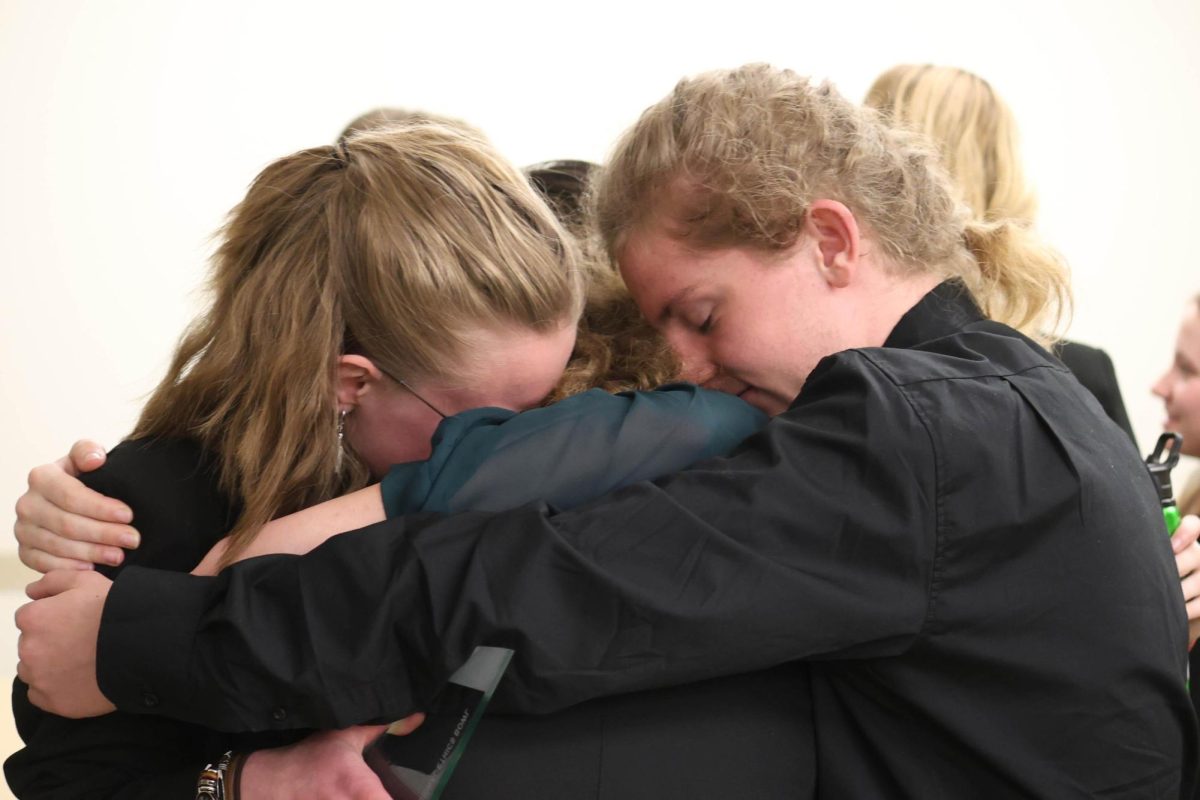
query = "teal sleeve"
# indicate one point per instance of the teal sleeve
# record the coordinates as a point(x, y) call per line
point(568, 453)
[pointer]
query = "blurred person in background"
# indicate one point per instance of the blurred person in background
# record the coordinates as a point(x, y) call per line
point(977, 136)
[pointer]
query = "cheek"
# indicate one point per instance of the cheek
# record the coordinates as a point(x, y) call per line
point(1187, 397)
point(382, 442)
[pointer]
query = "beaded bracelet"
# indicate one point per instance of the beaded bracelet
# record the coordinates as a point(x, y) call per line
point(212, 783)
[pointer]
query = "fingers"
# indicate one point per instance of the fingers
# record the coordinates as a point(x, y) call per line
point(1186, 534)
point(1191, 590)
point(86, 456)
point(1187, 561)
point(43, 550)
point(43, 562)
point(57, 582)
point(59, 488)
point(42, 525)
point(407, 725)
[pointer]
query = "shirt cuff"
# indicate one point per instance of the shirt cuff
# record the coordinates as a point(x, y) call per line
point(144, 647)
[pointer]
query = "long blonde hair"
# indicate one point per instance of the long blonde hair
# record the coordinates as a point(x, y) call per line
point(398, 243)
point(735, 158)
point(973, 129)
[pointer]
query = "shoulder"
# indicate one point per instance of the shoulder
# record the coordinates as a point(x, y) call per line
point(982, 351)
point(136, 461)
point(945, 392)
point(1090, 365)
point(1078, 356)
point(172, 485)
point(601, 413)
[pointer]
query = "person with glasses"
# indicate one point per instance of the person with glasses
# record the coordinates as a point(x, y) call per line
point(453, 433)
point(415, 252)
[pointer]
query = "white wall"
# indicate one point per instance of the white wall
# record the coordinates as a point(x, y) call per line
point(131, 127)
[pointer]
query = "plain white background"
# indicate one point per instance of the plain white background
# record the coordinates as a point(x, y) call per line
point(131, 126)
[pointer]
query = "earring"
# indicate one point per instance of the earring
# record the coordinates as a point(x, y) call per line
point(341, 439)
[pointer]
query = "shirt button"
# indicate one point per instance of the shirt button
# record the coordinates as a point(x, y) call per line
point(279, 714)
point(150, 700)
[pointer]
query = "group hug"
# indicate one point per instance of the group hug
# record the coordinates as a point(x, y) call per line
point(757, 445)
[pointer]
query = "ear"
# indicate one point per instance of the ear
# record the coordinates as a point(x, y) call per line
point(834, 230)
point(355, 376)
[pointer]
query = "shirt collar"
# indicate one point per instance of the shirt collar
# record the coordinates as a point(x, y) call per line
point(947, 309)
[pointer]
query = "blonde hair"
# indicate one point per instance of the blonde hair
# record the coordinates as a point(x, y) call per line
point(390, 116)
point(971, 126)
point(400, 244)
point(734, 158)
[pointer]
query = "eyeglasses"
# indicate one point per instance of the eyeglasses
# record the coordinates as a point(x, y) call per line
point(411, 391)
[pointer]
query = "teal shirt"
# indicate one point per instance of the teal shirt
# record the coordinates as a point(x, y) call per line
point(491, 459)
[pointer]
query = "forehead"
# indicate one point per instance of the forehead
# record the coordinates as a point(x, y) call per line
point(658, 268)
point(516, 368)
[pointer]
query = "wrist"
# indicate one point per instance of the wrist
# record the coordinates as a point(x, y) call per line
point(255, 774)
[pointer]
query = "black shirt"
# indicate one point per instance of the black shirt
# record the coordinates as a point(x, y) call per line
point(736, 736)
point(969, 555)
point(172, 487)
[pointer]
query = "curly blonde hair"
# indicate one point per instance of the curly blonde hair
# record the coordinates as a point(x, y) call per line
point(616, 349)
point(734, 158)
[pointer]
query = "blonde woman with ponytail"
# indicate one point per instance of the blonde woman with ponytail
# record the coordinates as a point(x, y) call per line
point(976, 135)
point(361, 293)
point(961, 570)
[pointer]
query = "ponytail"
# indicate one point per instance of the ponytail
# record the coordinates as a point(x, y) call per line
point(253, 379)
point(1020, 282)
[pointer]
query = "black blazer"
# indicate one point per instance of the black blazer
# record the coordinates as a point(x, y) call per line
point(1093, 368)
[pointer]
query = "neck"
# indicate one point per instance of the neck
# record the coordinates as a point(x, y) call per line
point(892, 297)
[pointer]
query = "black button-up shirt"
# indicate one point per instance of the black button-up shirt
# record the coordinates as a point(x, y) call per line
point(966, 551)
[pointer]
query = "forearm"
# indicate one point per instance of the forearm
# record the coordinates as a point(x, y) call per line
point(731, 566)
point(153, 657)
point(305, 530)
point(589, 608)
